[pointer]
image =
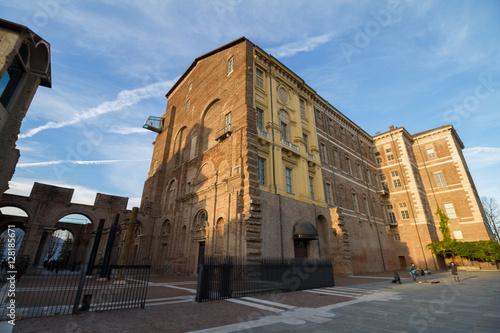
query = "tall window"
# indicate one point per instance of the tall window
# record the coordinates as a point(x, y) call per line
point(360, 174)
point(405, 215)
point(392, 217)
point(260, 119)
point(322, 151)
point(348, 165)
point(355, 202)
point(396, 237)
point(227, 123)
point(284, 125)
point(288, 180)
point(284, 130)
point(430, 153)
point(328, 188)
point(440, 179)
point(365, 201)
point(311, 187)
point(304, 137)
point(450, 210)
point(259, 79)
point(230, 65)
point(261, 170)
point(187, 106)
point(302, 107)
point(369, 178)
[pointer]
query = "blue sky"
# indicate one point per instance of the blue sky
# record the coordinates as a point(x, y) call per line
point(412, 64)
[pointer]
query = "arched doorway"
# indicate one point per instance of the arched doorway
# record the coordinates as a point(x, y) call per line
point(200, 235)
point(303, 234)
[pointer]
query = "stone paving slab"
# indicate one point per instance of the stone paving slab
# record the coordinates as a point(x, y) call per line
point(373, 305)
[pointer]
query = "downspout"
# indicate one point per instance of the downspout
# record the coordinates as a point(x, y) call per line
point(273, 156)
point(409, 200)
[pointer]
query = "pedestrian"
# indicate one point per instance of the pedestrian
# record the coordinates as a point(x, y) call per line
point(454, 272)
point(413, 272)
point(397, 279)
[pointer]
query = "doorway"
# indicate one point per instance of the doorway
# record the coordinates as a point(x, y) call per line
point(402, 261)
point(300, 248)
point(201, 255)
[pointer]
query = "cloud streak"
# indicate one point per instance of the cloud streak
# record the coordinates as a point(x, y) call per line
point(48, 163)
point(125, 98)
point(291, 49)
point(481, 157)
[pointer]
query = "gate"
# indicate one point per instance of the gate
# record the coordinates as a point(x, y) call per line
point(54, 291)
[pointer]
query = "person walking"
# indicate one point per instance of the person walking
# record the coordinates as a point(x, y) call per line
point(413, 272)
point(454, 272)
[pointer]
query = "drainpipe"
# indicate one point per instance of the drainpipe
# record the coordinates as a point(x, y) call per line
point(273, 156)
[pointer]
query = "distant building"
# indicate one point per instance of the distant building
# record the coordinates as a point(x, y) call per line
point(250, 161)
point(24, 65)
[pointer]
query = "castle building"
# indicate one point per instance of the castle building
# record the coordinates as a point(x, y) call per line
point(249, 161)
point(24, 65)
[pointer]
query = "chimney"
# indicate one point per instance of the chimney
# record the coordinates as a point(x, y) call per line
point(391, 127)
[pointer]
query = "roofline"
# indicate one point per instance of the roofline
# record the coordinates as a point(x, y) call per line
point(206, 55)
point(35, 38)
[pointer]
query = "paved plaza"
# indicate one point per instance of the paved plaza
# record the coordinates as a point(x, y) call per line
point(356, 304)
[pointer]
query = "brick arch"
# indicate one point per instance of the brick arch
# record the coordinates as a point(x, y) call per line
point(51, 204)
point(21, 205)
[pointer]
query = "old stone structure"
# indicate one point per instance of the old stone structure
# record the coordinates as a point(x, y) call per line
point(47, 205)
point(24, 65)
point(250, 161)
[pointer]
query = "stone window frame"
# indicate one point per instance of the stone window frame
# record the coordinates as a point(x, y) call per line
point(261, 170)
point(430, 152)
point(355, 202)
point(450, 210)
point(260, 79)
point(230, 65)
point(289, 179)
point(440, 181)
point(311, 187)
point(328, 190)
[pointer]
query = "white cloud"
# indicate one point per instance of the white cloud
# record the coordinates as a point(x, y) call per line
point(128, 130)
point(81, 195)
point(482, 157)
point(291, 49)
point(125, 98)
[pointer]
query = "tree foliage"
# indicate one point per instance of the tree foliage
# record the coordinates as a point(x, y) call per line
point(480, 250)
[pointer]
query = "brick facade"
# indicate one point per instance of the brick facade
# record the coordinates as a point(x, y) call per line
point(250, 160)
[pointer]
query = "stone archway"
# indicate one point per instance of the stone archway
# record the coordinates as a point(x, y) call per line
point(303, 234)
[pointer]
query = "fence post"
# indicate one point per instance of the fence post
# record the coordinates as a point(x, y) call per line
point(200, 288)
point(80, 289)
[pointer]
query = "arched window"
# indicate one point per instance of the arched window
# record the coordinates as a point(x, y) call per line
point(165, 229)
point(219, 236)
point(284, 125)
point(179, 146)
point(201, 220)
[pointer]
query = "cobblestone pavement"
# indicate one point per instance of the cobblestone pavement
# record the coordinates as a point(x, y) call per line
point(367, 303)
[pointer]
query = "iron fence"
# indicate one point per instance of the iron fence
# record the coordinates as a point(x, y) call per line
point(228, 277)
point(45, 292)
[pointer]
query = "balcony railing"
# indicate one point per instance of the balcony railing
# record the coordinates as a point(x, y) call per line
point(263, 133)
point(290, 145)
point(311, 156)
